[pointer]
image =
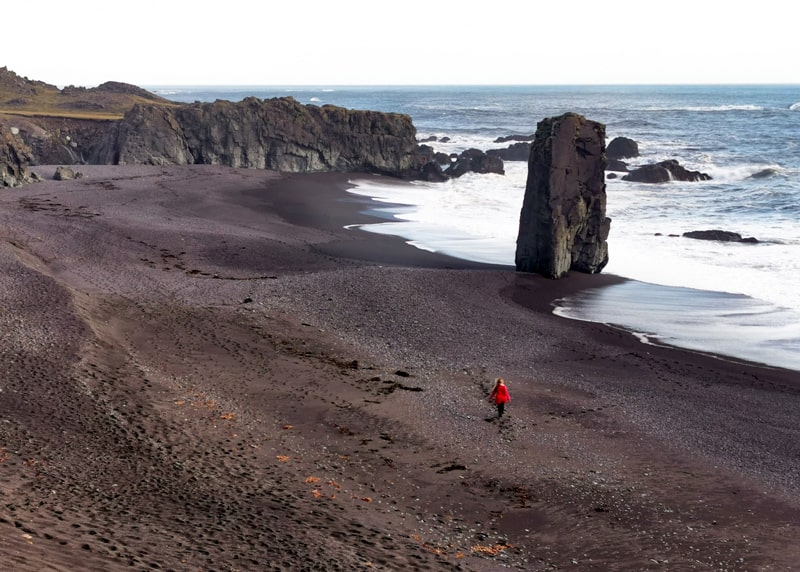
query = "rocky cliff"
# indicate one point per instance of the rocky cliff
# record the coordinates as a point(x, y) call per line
point(15, 156)
point(563, 225)
point(121, 123)
point(278, 134)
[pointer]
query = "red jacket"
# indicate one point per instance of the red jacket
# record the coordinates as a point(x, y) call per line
point(500, 394)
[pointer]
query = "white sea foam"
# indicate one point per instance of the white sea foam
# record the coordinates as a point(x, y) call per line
point(461, 142)
point(706, 108)
point(725, 324)
point(476, 217)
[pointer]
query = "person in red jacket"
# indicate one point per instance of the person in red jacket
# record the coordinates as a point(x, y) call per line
point(500, 396)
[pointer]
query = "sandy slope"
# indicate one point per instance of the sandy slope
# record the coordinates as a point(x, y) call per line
point(200, 370)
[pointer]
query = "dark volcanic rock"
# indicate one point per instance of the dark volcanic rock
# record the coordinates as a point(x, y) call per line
point(433, 173)
point(62, 140)
point(720, 235)
point(475, 161)
point(15, 156)
point(508, 138)
point(622, 148)
point(563, 225)
point(442, 158)
point(278, 134)
point(665, 171)
point(514, 152)
point(616, 165)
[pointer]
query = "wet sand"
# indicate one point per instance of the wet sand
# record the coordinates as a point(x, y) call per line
point(201, 369)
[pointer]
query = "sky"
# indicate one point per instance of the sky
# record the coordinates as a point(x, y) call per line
point(358, 42)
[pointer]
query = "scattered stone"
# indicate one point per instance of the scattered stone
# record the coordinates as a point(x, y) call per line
point(66, 174)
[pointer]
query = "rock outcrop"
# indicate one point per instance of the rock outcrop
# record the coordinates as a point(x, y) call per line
point(61, 140)
point(509, 138)
point(616, 165)
point(278, 134)
point(563, 224)
point(119, 123)
point(514, 152)
point(475, 161)
point(15, 157)
point(665, 171)
point(622, 148)
point(719, 235)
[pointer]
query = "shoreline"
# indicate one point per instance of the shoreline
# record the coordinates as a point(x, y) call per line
point(734, 327)
point(771, 343)
point(204, 369)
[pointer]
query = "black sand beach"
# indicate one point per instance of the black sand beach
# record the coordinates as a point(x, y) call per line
point(201, 369)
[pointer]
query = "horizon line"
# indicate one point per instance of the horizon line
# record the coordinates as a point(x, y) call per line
point(610, 84)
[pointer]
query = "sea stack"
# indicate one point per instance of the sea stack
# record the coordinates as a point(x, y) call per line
point(563, 224)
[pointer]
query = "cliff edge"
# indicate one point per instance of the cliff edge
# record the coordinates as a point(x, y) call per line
point(279, 134)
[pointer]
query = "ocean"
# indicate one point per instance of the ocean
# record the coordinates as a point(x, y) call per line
point(736, 300)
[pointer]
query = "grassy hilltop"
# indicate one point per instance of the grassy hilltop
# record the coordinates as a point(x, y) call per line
point(24, 97)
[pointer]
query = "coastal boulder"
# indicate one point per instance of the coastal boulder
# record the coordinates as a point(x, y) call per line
point(515, 152)
point(616, 165)
point(719, 235)
point(509, 138)
point(665, 171)
point(475, 161)
point(622, 148)
point(563, 224)
point(66, 174)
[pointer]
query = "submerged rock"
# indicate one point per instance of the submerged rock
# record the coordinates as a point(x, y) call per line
point(764, 173)
point(475, 161)
point(665, 171)
point(719, 235)
point(563, 224)
point(514, 152)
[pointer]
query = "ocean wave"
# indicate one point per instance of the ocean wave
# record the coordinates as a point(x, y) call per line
point(795, 106)
point(708, 108)
point(743, 172)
